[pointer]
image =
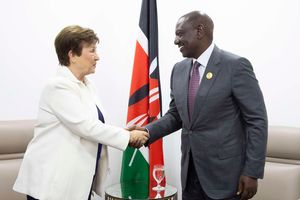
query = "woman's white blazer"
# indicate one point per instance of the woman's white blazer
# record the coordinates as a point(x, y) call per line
point(60, 160)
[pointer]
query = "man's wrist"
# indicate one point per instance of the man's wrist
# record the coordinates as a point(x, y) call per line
point(147, 130)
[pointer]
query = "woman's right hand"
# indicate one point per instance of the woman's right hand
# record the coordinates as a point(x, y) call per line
point(138, 138)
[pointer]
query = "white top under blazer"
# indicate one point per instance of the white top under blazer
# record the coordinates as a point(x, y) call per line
point(60, 160)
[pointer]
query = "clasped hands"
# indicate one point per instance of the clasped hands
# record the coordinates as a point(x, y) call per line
point(138, 136)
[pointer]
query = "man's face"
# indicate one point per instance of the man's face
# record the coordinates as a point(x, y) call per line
point(186, 38)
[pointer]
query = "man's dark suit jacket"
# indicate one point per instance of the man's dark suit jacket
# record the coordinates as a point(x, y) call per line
point(227, 134)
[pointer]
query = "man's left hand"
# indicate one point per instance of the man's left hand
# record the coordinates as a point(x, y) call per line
point(247, 187)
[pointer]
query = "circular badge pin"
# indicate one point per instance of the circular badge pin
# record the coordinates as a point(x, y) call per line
point(209, 75)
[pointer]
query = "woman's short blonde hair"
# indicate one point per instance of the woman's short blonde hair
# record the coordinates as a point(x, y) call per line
point(72, 38)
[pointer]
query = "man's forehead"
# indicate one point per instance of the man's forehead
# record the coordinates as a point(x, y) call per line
point(181, 20)
point(182, 23)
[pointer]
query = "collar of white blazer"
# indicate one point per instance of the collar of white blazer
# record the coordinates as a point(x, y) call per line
point(66, 72)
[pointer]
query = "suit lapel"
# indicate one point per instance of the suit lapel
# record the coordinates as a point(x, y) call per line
point(207, 82)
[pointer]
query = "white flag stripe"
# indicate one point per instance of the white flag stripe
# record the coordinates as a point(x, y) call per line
point(145, 153)
point(153, 91)
point(153, 95)
point(153, 98)
point(132, 122)
point(140, 123)
point(153, 65)
point(143, 40)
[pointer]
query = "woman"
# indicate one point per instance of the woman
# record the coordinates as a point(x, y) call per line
point(61, 161)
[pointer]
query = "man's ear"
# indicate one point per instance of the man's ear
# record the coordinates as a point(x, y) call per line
point(200, 31)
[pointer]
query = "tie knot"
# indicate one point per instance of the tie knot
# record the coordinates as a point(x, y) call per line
point(196, 64)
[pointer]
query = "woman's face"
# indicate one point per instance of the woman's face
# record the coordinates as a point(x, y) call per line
point(86, 62)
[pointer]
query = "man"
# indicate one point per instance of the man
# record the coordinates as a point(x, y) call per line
point(216, 100)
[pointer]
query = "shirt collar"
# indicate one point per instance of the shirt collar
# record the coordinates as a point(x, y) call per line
point(204, 57)
point(65, 72)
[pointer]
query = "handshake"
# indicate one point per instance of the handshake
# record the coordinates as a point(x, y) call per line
point(138, 136)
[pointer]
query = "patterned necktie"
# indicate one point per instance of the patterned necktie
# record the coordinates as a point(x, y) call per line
point(193, 87)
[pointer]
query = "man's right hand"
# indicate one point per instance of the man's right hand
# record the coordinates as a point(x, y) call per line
point(135, 127)
point(138, 138)
point(247, 187)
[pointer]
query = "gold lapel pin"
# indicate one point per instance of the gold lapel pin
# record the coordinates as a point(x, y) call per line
point(209, 75)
